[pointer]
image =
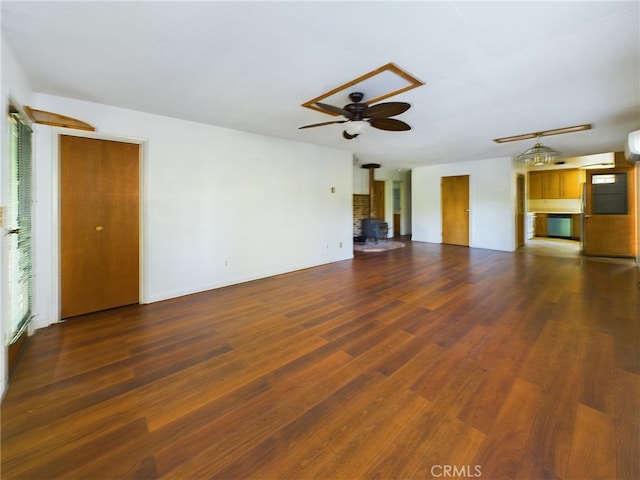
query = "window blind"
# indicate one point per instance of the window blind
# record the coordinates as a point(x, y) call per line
point(19, 227)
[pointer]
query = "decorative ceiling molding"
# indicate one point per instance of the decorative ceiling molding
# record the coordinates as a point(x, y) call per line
point(56, 120)
point(543, 133)
point(412, 82)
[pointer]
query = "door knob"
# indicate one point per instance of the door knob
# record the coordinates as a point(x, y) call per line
point(99, 228)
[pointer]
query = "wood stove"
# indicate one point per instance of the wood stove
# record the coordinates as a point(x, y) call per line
point(374, 228)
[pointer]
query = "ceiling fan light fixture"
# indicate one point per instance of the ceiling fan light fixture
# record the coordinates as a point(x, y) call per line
point(538, 155)
point(356, 127)
point(360, 116)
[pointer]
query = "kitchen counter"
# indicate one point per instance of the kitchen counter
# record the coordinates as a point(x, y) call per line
point(555, 212)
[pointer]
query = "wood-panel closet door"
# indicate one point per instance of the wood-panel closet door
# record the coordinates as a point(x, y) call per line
point(99, 181)
point(455, 210)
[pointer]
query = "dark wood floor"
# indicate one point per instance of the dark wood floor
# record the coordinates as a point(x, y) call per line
point(429, 361)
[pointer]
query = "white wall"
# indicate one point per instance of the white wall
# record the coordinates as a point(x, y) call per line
point(14, 87)
point(218, 206)
point(492, 202)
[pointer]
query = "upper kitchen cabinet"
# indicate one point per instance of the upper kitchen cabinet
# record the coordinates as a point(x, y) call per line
point(535, 185)
point(570, 183)
point(554, 184)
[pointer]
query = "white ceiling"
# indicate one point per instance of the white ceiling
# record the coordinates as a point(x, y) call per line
point(491, 69)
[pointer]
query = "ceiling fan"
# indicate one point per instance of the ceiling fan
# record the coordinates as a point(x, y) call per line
point(360, 115)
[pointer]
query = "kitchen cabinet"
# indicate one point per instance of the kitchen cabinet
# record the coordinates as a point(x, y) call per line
point(554, 184)
point(576, 225)
point(540, 225)
point(535, 185)
point(538, 185)
point(570, 185)
point(551, 184)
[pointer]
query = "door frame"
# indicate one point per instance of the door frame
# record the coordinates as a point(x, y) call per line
point(56, 293)
point(521, 211)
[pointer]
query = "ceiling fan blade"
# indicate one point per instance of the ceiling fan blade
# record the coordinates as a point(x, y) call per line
point(323, 123)
point(331, 108)
point(348, 136)
point(385, 110)
point(389, 124)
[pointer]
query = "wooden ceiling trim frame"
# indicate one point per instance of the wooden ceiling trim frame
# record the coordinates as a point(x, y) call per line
point(56, 120)
point(544, 133)
point(412, 81)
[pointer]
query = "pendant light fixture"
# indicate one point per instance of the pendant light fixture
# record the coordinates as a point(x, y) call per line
point(538, 155)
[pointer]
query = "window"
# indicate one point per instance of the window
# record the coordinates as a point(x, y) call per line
point(610, 194)
point(19, 226)
point(602, 179)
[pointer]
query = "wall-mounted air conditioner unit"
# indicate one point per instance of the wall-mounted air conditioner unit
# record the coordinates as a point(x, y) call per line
point(632, 148)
